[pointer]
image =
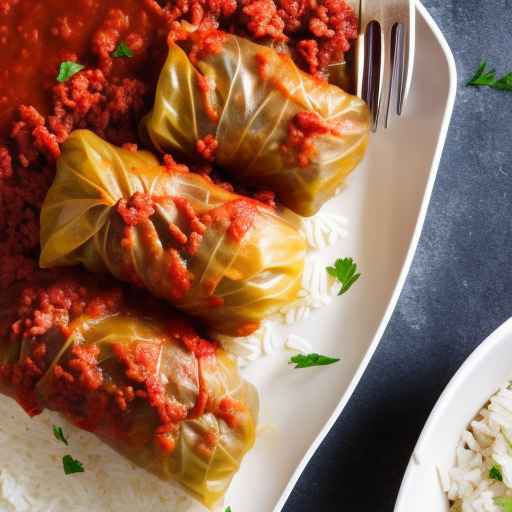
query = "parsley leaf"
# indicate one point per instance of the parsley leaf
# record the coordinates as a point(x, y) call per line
point(495, 473)
point(228, 509)
point(504, 83)
point(67, 69)
point(483, 77)
point(306, 361)
point(71, 465)
point(487, 78)
point(59, 434)
point(344, 271)
point(122, 50)
point(505, 503)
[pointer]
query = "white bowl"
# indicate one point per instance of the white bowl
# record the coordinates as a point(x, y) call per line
point(482, 374)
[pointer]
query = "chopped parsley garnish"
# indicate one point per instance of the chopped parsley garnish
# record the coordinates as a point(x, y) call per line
point(495, 473)
point(306, 361)
point(122, 50)
point(67, 69)
point(71, 465)
point(487, 78)
point(59, 434)
point(504, 502)
point(483, 77)
point(344, 271)
point(504, 83)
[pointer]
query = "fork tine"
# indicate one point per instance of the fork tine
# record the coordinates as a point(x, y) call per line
point(409, 22)
point(399, 59)
point(371, 55)
point(392, 63)
point(393, 25)
point(373, 70)
point(400, 13)
point(396, 63)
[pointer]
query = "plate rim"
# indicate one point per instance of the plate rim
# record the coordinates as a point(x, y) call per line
point(450, 102)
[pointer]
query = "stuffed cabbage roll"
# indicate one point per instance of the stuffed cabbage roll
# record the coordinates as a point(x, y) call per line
point(260, 117)
point(222, 257)
point(139, 378)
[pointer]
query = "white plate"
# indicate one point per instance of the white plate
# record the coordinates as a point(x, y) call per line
point(386, 203)
point(480, 377)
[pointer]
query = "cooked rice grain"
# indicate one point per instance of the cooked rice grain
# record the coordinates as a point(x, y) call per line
point(32, 477)
point(487, 442)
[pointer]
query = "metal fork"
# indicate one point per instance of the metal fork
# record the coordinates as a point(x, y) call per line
point(385, 56)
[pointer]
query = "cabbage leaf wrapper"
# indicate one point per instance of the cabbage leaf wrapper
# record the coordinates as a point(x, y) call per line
point(141, 379)
point(275, 126)
point(224, 258)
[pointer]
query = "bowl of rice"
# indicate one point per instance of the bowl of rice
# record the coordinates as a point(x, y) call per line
point(463, 459)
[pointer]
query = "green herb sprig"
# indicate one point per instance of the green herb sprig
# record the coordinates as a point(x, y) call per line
point(228, 509)
point(67, 69)
point(495, 473)
point(122, 50)
point(487, 78)
point(309, 360)
point(344, 271)
point(59, 434)
point(71, 465)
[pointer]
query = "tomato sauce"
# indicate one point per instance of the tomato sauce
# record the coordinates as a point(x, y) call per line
point(37, 112)
point(303, 128)
point(207, 147)
point(228, 409)
point(208, 41)
point(179, 276)
point(204, 87)
point(37, 35)
point(238, 216)
point(136, 209)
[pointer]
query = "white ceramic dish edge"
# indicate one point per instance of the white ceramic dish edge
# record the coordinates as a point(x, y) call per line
point(421, 11)
point(487, 368)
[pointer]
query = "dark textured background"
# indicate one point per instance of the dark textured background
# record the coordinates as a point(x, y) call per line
point(458, 290)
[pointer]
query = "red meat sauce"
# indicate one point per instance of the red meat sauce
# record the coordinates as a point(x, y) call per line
point(207, 147)
point(316, 32)
point(40, 317)
point(204, 88)
point(37, 113)
point(303, 129)
point(236, 217)
point(110, 95)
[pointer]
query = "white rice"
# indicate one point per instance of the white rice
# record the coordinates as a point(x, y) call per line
point(32, 478)
point(318, 289)
point(324, 229)
point(31, 474)
point(487, 442)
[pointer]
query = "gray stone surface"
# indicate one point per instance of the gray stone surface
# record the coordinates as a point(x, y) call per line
point(458, 291)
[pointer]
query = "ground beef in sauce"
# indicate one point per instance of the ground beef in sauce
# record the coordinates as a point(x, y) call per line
point(303, 128)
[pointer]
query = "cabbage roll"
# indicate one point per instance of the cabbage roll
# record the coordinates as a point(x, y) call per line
point(138, 377)
point(261, 118)
point(224, 258)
